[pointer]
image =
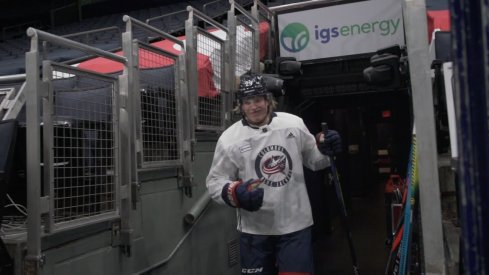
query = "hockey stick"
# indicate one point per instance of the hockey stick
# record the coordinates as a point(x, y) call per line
point(341, 201)
point(398, 262)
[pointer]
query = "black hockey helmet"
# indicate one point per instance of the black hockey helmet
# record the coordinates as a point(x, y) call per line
point(251, 84)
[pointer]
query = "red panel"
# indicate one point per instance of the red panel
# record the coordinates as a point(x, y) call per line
point(206, 85)
point(438, 19)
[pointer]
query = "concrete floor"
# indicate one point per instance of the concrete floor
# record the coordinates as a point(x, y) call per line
point(367, 217)
point(368, 227)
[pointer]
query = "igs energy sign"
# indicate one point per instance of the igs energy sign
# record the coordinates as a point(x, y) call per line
point(341, 30)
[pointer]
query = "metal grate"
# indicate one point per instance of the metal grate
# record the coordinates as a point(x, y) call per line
point(83, 180)
point(159, 109)
point(210, 71)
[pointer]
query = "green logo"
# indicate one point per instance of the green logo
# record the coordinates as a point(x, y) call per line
point(294, 37)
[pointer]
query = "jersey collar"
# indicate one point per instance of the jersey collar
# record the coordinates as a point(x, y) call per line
point(245, 122)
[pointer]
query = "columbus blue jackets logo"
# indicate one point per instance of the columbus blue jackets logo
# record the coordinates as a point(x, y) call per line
point(274, 166)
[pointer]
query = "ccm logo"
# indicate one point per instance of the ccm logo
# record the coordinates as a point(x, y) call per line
point(251, 270)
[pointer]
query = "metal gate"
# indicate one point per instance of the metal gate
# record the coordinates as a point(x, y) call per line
point(80, 115)
point(73, 143)
point(207, 69)
point(160, 112)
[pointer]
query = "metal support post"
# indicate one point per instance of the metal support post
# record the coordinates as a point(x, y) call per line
point(429, 190)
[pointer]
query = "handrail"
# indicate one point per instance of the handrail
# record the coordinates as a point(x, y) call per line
point(243, 11)
point(31, 32)
point(263, 6)
point(204, 17)
point(194, 213)
point(204, 7)
point(152, 29)
point(91, 32)
point(164, 15)
point(15, 78)
point(179, 244)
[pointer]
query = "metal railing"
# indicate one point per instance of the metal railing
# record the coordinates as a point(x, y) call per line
point(80, 180)
point(160, 112)
point(170, 22)
point(245, 28)
point(207, 70)
point(159, 93)
point(80, 115)
point(78, 120)
point(244, 43)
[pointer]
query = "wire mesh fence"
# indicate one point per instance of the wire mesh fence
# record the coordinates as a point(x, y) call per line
point(83, 146)
point(159, 106)
point(210, 52)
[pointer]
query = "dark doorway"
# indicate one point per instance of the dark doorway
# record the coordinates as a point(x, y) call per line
point(376, 131)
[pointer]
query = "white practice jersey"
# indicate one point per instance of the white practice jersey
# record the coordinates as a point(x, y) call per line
point(276, 154)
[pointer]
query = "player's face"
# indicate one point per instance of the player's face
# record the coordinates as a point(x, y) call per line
point(255, 110)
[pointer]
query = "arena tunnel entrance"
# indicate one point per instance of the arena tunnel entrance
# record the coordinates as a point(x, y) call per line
point(376, 128)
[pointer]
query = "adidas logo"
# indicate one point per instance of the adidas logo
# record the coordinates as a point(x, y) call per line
point(290, 135)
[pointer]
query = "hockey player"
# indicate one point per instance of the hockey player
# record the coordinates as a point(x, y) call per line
point(258, 169)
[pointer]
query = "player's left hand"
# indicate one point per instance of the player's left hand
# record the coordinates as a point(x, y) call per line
point(329, 144)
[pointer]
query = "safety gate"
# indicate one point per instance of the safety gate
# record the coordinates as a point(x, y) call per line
point(73, 144)
point(207, 70)
point(243, 30)
point(80, 115)
point(244, 44)
point(160, 111)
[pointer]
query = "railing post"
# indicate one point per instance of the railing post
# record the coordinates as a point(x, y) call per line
point(429, 186)
point(33, 151)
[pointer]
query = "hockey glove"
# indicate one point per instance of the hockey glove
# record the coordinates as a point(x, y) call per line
point(244, 195)
point(329, 144)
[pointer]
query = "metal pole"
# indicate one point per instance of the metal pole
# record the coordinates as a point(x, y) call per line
point(33, 150)
point(15, 78)
point(194, 213)
point(204, 17)
point(429, 189)
point(52, 38)
point(151, 29)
